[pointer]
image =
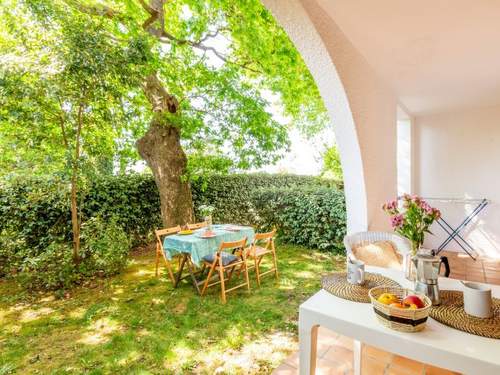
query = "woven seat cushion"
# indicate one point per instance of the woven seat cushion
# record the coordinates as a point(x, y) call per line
point(379, 254)
point(226, 258)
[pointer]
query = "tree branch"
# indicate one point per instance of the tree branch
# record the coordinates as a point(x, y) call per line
point(95, 10)
point(155, 10)
point(62, 123)
point(147, 8)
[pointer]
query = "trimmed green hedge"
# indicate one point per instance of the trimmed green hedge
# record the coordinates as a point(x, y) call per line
point(310, 216)
point(39, 209)
point(232, 195)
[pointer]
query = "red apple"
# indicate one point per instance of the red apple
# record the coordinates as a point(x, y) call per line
point(414, 300)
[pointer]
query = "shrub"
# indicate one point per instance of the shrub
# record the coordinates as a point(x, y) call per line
point(231, 195)
point(104, 252)
point(310, 216)
point(131, 200)
point(12, 252)
point(37, 210)
point(105, 247)
point(51, 269)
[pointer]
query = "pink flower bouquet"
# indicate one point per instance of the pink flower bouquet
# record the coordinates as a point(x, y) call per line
point(411, 217)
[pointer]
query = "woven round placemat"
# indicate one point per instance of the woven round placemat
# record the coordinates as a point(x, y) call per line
point(337, 284)
point(451, 313)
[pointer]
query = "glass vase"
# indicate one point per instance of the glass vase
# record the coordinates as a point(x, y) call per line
point(409, 262)
point(208, 220)
point(409, 266)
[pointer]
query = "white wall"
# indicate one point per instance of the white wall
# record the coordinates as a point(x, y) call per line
point(362, 108)
point(457, 155)
point(373, 105)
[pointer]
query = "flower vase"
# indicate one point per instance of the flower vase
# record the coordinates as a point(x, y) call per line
point(409, 262)
point(409, 267)
point(208, 219)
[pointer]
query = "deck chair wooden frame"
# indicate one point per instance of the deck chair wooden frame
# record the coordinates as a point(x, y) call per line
point(238, 249)
point(161, 253)
point(200, 225)
point(257, 253)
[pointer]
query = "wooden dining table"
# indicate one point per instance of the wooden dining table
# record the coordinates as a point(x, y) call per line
point(193, 247)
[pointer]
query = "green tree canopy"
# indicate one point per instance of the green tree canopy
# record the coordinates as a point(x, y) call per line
point(222, 60)
point(332, 168)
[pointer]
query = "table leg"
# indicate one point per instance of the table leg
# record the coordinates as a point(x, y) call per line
point(308, 339)
point(357, 357)
point(193, 278)
point(179, 273)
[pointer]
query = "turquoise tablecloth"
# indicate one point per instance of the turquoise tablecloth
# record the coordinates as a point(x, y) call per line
point(199, 247)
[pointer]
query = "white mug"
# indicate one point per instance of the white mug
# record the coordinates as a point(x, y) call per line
point(477, 300)
point(355, 271)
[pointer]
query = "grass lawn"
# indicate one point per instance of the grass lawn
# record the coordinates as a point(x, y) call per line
point(136, 323)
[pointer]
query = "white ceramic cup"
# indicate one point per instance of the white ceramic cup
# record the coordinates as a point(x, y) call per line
point(355, 271)
point(477, 300)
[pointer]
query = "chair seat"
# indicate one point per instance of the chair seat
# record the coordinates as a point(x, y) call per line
point(258, 251)
point(226, 258)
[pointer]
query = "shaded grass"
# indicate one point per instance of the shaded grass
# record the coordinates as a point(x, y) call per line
point(136, 323)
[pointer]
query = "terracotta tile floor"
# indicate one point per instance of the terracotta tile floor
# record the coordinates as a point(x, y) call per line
point(335, 351)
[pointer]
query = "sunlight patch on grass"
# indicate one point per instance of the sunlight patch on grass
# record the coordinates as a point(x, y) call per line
point(19, 307)
point(143, 332)
point(144, 272)
point(183, 353)
point(157, 301)
point(287, 287)
point(305, 274)
point(254, 356)
point(77, 313)
point(12, 328)
point(49, 298)
point(131, 357)
point(31, 315)
point(100, 331)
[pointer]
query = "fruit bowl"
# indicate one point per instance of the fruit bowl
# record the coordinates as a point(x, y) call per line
point(407, 311)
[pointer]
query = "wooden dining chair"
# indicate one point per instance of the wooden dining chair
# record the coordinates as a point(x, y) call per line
point(194, 226)
point(224, 261)
point(262, 245)
point(160, 234)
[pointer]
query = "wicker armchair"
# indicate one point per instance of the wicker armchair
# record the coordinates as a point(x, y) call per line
point(401, 244)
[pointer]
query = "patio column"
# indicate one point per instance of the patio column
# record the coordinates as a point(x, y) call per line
point(361, 107)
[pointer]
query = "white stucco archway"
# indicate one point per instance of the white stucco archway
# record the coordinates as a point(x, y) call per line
point(362, 109)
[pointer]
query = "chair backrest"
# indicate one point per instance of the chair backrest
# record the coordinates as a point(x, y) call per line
point(402, 245)
point(267, 237)
point(166, 232)
point(236, 246)
point(197, 225)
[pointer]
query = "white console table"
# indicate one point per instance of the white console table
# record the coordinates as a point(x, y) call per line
point(437, 344)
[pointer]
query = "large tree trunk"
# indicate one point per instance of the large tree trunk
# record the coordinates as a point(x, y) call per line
point(161, 148)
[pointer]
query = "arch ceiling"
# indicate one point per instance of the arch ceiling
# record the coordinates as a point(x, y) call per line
point(436, 55)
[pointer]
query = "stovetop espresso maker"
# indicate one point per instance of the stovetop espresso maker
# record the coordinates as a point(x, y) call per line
point(427, 267)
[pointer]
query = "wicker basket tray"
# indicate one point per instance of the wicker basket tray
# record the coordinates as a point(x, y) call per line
point(403, 320)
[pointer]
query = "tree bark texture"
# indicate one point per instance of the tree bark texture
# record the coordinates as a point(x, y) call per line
point(161, 148)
